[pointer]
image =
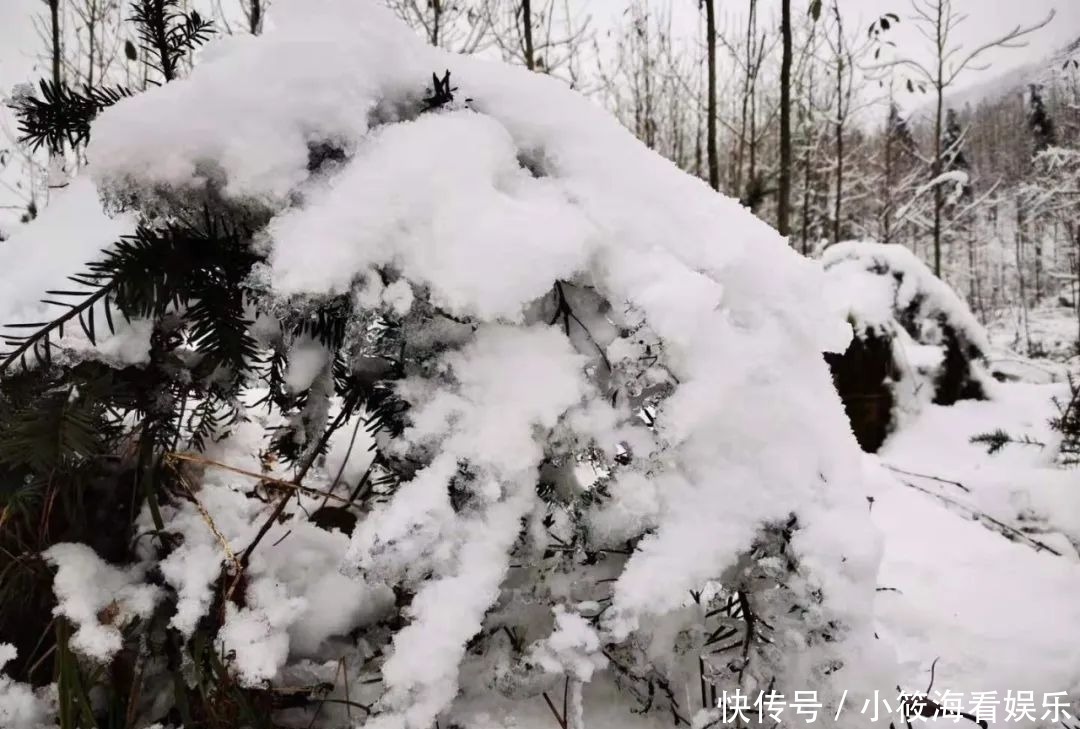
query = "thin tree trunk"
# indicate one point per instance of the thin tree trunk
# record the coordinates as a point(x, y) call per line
point(972, 275)
point(750, 33)
point(839, 203)
point(714, 157)
point(91, 28)
point(255, 17)
point(938, 168)
point(526, 19)
point(1074, 233)
point(54, 24)
point(807, 176)
point(784, 185)
point(1020, 271)
point(436, 9)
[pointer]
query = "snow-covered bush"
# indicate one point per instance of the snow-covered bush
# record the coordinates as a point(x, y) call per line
point(915, 340)
point(433, 403)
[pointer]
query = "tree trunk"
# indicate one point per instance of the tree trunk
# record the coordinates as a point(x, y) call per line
point(839, 205)
point(784, 184)
point(255, 17)
point(1020, 222)
point(714, 159)
point(436, 10)
point(807, 159)
point(526, 19)
point(750, 33)
point(938, 167)
point(54, 25)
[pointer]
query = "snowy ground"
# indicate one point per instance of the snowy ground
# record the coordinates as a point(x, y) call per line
point(970, 578)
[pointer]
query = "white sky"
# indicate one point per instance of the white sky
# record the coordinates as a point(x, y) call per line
point(986, 19)
point(18, 41)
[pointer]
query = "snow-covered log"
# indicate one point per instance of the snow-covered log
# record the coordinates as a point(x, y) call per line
point(915, 340)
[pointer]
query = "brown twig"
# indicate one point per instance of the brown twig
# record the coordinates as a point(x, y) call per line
point(291, 485)
point(279, 508)
point(206, 516)
point(950, 482)
point(1007, 531)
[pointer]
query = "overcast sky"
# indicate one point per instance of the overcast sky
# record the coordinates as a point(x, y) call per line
point(18, 42)
point(986, 19)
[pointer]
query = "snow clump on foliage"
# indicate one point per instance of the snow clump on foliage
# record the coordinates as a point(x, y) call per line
point(613, 447)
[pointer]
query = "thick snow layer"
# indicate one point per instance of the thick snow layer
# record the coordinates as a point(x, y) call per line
point(873, 282)
point(997, 614)
point(484, 207)
point(1021, 483)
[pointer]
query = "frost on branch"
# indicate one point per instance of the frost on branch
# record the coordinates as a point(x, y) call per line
point(915, 339)
point(556, 410)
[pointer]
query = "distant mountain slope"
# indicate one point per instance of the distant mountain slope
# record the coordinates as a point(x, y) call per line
point(1053, 67)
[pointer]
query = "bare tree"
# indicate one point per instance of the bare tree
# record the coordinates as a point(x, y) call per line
point(651, 82)
point(783, 192)
point(462, 26)
point(937, 21)
point(547, 36)
point(710, 107)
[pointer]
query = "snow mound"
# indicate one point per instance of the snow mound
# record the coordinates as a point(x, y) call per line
point(584, 298)
point(904, 289)
point(915, 342)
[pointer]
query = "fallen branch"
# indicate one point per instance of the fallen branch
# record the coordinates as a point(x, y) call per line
point(950, 482)
point(1009, 532)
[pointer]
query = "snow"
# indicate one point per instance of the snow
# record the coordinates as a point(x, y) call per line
point(857, 269)
point(487, 421)
point(20, 706)
point(573, 648)
point(306, 360)
point(71, 231)
point(581, 315)
point(415, 220)
point(97, 598)
point(994, 612)
point(885, 290)
point(518, 198)
point(297, 598)
point(255, 637)
point(1021, 482)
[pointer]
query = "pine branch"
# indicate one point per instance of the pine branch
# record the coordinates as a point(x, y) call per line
point(58, 428)
point(195, 270)
point(998, 439)
point(62, 115)
point(40, 341)
point(166, 33)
